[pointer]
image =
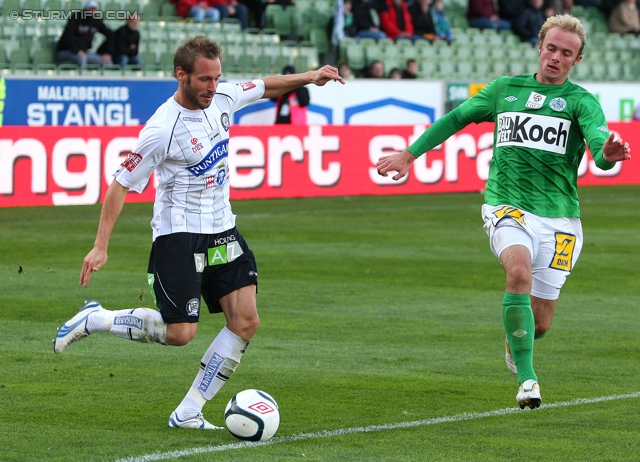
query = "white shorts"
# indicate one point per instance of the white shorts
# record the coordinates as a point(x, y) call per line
point(554, 244)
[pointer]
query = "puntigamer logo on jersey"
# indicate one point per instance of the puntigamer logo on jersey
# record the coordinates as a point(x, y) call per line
point(533, 131)
point(219, 151)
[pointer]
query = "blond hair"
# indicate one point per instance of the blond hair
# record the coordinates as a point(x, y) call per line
point(567, 23)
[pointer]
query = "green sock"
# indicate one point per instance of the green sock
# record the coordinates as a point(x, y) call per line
point(520, 328)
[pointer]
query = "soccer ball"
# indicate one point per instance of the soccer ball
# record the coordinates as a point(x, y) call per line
point(252, 415)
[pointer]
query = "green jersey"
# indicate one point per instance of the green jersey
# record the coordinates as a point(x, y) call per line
point(539, 141)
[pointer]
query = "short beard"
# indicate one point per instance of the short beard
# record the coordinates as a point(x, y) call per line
point(191, 95)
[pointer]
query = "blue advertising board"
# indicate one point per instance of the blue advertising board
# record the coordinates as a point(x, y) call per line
point(69, 102)
point(38, 102)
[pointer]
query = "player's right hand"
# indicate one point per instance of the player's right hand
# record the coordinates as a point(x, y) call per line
point(94, 260)
point(399, 162)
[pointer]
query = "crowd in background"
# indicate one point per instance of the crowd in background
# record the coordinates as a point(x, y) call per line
point(426, 20)
point(411, 20)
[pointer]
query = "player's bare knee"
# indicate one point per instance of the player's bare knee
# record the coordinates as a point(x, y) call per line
point(244, 326)
point(179, 334)
point(179, 339)
point(519, 279)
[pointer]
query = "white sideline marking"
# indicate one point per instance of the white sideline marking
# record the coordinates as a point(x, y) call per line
point(372, 428)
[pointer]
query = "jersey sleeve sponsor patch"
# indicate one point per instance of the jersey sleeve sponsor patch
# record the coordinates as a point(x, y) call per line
point(246, 86)
point(534, 131)
point(131, 161)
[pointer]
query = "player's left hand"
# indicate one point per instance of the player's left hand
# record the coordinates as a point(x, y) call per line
point(326, 74)
point(615, 150)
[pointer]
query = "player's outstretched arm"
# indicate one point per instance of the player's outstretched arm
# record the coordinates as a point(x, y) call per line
point(399, 162)
point(615, 150)
point(111, 209)
point(276, 85)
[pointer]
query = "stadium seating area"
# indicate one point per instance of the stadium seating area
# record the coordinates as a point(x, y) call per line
point(293, 36)
point(477, 55)
point(298, 35)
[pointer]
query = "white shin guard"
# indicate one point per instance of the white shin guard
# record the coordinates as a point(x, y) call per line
point(141, 325)
point(219, 363)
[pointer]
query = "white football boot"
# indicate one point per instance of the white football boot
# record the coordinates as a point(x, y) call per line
point(194, 422)
point(75, 328)
point(529, 394)
point(511, 365)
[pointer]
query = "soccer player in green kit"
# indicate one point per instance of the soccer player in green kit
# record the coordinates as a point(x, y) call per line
point(531, 211)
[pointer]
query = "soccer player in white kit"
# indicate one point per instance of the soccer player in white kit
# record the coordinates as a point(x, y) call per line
point(197, 250)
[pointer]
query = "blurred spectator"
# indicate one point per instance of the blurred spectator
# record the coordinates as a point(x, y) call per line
point(395, 74)
point(375, 70)
point(624, 18)
point(291, 108)
point(396, 21)
point(363, 18)
point(411, 70)
point(636, 115)
point(511, 9)
point(423, 25)
point(342, 24)
point(528, 25)
point(232, 9)
point(482, 14)
point(197, 10)
point(125, 44)
point(443, 29)
point(77, 38)
point(607, 6)
point(256, 9)
point(553, 7)
point(345, 71)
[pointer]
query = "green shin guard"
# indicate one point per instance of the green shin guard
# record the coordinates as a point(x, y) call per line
point(520, 328)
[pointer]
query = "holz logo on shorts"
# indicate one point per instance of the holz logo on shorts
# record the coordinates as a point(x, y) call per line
point(565, 244)
point(224, 253)
point(533, 131)
point(511, 212)
point(210, 371)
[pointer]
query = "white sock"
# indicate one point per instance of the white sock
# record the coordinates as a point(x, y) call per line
point(100, 321)
point(138, 324)
point(217, 365)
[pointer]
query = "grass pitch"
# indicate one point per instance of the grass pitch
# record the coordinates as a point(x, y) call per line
point(375, 311)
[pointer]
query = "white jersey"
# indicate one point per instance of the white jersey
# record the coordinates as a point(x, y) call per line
point(189, 151)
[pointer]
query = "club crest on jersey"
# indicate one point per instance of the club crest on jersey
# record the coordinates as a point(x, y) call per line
point(535, 101)
point(218, 152)
point(558, 104)
point(224, 120)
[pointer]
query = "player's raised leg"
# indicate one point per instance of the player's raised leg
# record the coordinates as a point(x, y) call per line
point(138, 324)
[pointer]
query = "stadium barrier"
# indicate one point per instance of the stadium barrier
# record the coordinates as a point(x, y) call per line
point(74, 165)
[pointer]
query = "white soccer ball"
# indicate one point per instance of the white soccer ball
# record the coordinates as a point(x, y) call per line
point(252, 415)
